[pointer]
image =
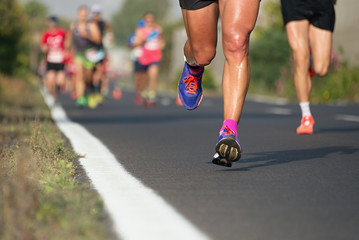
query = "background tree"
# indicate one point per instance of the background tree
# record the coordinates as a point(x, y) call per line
point(17, 36)
point(12, 29)
point(270, 51)
point(36, 13)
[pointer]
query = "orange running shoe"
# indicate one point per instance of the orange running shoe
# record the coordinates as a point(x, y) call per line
point(306, 125)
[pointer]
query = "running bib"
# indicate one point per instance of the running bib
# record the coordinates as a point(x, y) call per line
point(95, 55)
point(153, 41)
point(56, 56)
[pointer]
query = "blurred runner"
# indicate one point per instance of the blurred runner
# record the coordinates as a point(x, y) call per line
point(53, 45)
point(309, 26)
point(140, 75)
point(238, 18)
point(99, 77)
point(150, 37)
point(70, 72)
point(86, 36)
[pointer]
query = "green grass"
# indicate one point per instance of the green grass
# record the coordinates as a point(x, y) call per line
point(40, 196)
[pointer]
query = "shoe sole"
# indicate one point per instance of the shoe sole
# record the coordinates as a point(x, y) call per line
point(229, 149)
point(305, 132)
point(222, 162)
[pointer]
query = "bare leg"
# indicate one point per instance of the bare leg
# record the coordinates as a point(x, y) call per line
point(238, 20)
point(61, 79)
point(88, 74)
point(297, 32)
point(321, 44)
point(51, 82)
point(79, 80)
point(152, 77)
point(98, 74)
point(140, 81)
point(201, 28)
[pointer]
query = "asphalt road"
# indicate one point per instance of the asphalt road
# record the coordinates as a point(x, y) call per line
point(284, 187)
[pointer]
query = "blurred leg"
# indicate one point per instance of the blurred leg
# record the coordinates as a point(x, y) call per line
point(140, 79)
point(61, 79)
point(51, 82)
point(298, 38)
point(321, 45)
point(98, 74)
point(79, 80)
point(153, 71)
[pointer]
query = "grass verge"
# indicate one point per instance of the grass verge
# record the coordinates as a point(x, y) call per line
point(40, 196)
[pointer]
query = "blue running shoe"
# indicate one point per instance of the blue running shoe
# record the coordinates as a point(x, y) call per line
point(228, 146)
point(190, 88)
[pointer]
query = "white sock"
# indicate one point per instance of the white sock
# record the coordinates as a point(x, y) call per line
point(304, 106)
point(192, 64)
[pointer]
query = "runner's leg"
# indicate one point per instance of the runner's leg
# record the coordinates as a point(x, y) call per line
point(199, 50)
point(79, 80)
point(238, 20)
point(51, 82)
point(153, 71)
point(61, 80)
point(321, 44)
point(201, 28)
point(298, 38)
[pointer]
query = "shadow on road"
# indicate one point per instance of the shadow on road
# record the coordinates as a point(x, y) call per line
point(265, 159)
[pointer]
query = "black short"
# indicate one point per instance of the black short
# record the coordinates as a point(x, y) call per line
point(55, 66)
point(320, 13)
point(143, 68)
point(195, 4)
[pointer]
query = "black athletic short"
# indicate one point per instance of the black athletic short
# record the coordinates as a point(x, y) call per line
point(320, 13)
point(195, 4)
point(55, 66)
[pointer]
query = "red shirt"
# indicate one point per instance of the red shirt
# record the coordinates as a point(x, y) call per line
point(55, 41)
point(151, 50)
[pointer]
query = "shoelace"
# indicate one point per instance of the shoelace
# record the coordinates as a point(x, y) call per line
point(191, 84)
point(306, 121)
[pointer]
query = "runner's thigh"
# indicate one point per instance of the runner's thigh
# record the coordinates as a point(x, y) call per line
point(201, 26)
point(238, 19)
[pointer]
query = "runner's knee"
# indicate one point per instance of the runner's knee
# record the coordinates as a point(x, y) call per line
point(236, 46)
point(301, 58)
point(321, 69)
point(204, 54)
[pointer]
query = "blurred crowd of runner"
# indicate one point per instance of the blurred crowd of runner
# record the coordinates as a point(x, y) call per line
point(76, 60)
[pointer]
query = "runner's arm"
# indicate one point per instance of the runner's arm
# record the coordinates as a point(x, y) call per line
point(94, 33)
point(162, 39)
point(139, 39)
point(69, 36)
point(109, 32)
point(43, 46)
point(108, 28)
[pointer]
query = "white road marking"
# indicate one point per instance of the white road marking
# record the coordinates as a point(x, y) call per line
point(137, 211)
point(279, 111)
point(351, 118)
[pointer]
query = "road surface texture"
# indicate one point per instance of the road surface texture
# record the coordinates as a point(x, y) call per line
point(285, 186)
